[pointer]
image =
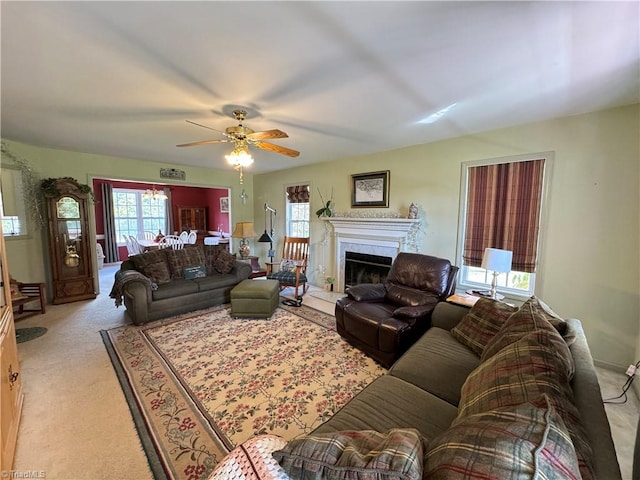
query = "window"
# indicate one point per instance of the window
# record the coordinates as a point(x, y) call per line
point(297, 211)
point(13, 208)
point(502, 208)
point(134, 214)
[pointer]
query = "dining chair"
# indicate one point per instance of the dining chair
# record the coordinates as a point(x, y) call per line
point(184, 236)
point(147, 235)
point(135, 246)
point(192, 237)
point(171, 241)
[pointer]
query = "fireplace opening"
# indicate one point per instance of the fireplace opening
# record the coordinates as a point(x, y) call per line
point(365, 268)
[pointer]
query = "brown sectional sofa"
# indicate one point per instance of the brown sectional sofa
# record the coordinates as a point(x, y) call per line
point(462, 402)
point(152, 285)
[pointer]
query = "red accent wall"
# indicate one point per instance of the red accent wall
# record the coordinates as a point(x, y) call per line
point(180, 196)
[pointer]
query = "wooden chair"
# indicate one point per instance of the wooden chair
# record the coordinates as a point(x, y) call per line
point(184, 236)
point(134, 246)
point(192, 237)
point(292, 270)
point(171, 241)
point(27, 294)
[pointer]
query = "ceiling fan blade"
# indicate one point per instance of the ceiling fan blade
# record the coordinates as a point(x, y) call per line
point(204, 142)
point(267, 135)
point(204, 126)
point(277, 148)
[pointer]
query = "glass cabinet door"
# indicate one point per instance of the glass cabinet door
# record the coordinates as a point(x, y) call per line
point(69, 225)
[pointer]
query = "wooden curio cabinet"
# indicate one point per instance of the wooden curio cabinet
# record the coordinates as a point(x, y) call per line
point(69, 242)
point(11, 396)
point(192, 218)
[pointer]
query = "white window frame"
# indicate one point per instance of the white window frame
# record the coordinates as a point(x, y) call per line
point(306, 222)
point(139, 217)
point(464, 281)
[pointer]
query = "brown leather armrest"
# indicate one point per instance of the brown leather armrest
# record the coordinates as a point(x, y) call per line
point(367, 292)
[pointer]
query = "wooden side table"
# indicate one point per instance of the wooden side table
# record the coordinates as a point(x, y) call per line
point(256, 270)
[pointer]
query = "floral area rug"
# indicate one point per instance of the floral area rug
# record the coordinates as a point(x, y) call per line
point(201, 383)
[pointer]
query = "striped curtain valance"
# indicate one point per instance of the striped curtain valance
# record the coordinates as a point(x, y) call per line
point(298, 194)
point(503, 211)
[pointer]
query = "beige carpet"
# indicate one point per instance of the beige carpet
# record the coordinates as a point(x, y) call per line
point(76, 423)
point(202, 383)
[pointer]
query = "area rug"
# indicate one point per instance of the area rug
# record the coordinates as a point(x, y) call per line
point(200, 384)
point(29, 333)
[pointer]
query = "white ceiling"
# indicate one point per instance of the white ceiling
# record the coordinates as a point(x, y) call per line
point(341, 78)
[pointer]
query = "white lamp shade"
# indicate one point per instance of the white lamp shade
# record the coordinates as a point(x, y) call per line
point(497, 260)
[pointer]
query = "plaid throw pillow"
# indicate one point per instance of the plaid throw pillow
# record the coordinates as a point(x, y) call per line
point(524, 441)
point(482, 322)
point(185, 257)
point(225, 262)
point(396, 454)
point(153, 265)
point(534, 365)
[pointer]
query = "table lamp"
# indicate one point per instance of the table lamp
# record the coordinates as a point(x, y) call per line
point(244, 230)
point(498, 261)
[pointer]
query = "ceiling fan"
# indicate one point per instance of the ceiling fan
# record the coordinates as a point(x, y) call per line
point(243, 136)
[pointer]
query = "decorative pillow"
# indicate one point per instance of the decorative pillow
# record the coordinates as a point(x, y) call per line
point(483, 321)
point(529, 318)
point(252, 460)
point(353, 455)
point(225, 262)
point(522, 372)
point(16, 294)
point(195, 271)
point(287, 266)
point(211, 253)
point(185, 257)
point(524, 441)
point(153, 264)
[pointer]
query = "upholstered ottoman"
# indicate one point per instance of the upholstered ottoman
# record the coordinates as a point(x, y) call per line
point(255, 298)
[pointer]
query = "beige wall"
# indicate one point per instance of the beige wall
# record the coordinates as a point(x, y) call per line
point(590, 267)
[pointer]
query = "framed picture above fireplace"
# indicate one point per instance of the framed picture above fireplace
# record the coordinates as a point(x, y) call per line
point(370, 189)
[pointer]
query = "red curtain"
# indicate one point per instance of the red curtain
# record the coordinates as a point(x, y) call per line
point(503, 211)
point(298, 194)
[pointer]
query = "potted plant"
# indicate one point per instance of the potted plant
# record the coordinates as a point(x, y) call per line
point(326, 210)
point(328, 283)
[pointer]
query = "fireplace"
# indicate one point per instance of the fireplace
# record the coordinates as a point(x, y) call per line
point(383, 237)
point(365, 268)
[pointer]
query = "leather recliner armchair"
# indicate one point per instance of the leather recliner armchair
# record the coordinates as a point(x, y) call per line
point(385, 319)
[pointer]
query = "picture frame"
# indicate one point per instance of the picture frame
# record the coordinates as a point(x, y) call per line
point(224, 204)
point(370, 189)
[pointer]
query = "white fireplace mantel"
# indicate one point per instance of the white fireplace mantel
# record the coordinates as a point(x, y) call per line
point(376, 236)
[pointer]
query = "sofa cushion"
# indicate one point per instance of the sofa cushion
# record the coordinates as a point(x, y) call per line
point(225, 262)
point(521, 372)
point(437, 363)
point(352, 455)
point(483, 321)
point(154, 265)
point(216, 281)
point(185, 257)
point(389, 402)
point(523, 441)
point(175, 288)
point(530, 317)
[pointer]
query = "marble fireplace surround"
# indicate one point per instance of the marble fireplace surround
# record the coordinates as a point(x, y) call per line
point(375, 236)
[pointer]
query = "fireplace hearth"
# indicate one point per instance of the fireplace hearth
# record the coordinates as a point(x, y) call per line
point(365, 268)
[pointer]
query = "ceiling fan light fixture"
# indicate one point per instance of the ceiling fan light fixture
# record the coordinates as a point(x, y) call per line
point(240, 157)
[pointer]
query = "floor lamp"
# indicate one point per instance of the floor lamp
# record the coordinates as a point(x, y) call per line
point(268, 237)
